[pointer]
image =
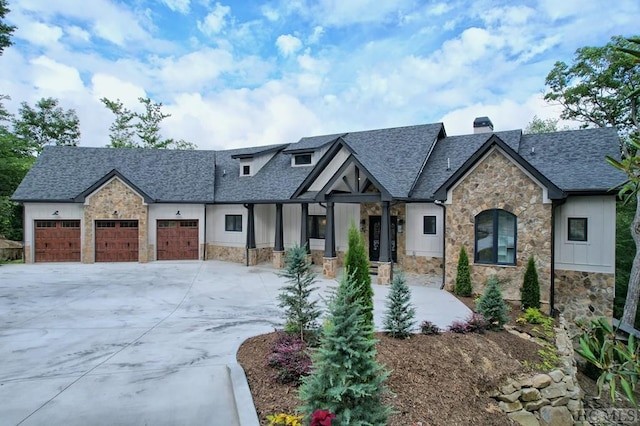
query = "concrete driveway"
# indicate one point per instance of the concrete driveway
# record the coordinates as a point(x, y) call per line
point(143, 344)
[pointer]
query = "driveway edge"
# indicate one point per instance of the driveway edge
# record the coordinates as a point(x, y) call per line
point(244, 401)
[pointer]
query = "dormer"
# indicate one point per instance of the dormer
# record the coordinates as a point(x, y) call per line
point(253, 159)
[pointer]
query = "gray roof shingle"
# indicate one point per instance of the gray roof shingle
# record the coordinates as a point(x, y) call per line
point(62, 173)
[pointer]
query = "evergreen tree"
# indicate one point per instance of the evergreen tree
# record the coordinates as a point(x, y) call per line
point(345, 378)
point(399, 318)
point(356, 265)
point(491, 305)
point(463, 277)
point(531, 287)
point(300, 312)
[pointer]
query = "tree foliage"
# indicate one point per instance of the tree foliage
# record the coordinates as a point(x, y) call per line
point(6, 30)
point(491, 305)
point(300, 312)
point(356, 265)
point(140, 130)
point(47, 124)
point(345, 378)
point(400, 314)
point(531, 286)
point(463, 276)
point(542, 125)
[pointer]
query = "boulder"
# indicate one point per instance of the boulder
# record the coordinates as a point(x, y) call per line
point(541, 381)
point(555, 390)
point(524, 418)
point(529, 394)
point(555, 416)
point(556, 375)
point(509, 407)
point(512, 397)
point(536, 405)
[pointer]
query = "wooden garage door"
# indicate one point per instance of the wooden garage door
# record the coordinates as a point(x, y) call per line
point(57, 240)
point(177, 239)
point(116, 240)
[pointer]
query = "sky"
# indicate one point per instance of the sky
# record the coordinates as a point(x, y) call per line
point(250, 73)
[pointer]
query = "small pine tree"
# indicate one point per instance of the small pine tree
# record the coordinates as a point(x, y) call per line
point(345, 378)
point(356, 265)
point(463, 277)
point(531, 287)
point(399, 318)
point(491, 305)
point(300, 312)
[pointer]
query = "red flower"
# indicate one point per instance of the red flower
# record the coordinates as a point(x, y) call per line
point(322, 418)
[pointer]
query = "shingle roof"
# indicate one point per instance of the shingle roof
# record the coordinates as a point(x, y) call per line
point(63, 173)
point(312, 143)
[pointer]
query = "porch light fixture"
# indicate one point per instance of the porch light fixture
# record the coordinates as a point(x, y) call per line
point(400, 226)
point(363, 225)
point(55, 213)
point(178, 213)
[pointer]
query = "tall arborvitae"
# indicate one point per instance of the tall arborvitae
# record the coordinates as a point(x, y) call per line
point(463, 277)
point(399, 318)
point(300, 312)
point(345, 378)
point(356, 265)
point(491, 305)
point(531, 286)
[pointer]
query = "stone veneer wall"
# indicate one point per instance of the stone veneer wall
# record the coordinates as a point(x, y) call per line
point(237, 254)
point(552, 399)
point(497, 183)
point(375, 209)
point(582, 295)
point(317, 257)
point(115, 196)
point(422, 265)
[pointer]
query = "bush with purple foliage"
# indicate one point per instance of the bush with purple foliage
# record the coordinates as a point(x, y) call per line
point(429, 328)
point(475, 323)
point(290, 358)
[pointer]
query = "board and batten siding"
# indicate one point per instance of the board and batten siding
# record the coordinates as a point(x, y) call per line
point(45, 211)
point(168, 212)
point(265, 225)
point(330, 170)
point(216, 233)
point(417, 243)
point(597, 254)
point(344, 215)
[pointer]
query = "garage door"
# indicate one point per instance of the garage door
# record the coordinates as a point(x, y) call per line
point(116, 240)
point(177, 239)
point(57, 240)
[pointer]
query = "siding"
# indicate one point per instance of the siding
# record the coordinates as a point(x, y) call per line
point(216, 234)
point(344, 215)
point(417, 243)
point(330, 170)
point(44, 211)
point(597, 254)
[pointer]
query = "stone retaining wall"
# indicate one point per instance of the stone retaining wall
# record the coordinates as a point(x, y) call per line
point(584, 295)
point(554, 398)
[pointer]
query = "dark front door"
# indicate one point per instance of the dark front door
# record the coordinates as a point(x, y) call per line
point(375, 226)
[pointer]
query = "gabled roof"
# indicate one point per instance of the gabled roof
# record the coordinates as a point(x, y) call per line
point(312, 143)
point(256, 151)
point(106, 178)
point(63, 173)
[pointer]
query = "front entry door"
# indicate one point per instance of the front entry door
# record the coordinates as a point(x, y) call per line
point(375, 225)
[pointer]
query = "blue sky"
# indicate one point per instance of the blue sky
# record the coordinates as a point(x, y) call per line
point(243, 73)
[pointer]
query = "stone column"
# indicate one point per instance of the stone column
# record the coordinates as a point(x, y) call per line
point(278, 248)
point(384, 266)
point(252, 252)
point(330, 261)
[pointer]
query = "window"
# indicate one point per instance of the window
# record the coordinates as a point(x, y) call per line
point(495, 237)
point(302, 159)
point(129, 224)
point(246, 170)
point(577, 229)
point(166, 224)
point(429, 226)
point(233, 222)
point(106, 224)
point(316, 226)
point(71, 224)
point(45, 223)
point(193, 224)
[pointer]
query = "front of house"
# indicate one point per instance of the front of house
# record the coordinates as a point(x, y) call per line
point(416, 194)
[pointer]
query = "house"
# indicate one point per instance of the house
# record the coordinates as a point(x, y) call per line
point(415, 193)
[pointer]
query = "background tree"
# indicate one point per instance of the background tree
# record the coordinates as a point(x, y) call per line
point(463, 275)
point(300, 311)
point(531, 286)
point(346, 378)
point(400, 314)
point(543, 125)
point(356, 265)
point(47, 124)
point(5, 30)
point(600, 88)
point(140, 130)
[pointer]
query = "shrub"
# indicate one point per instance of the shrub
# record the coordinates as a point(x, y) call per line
point(356, 266)
point(460, 327)
point(284, 419)
point(475, 323)
point(491, 305)
point(346, 379)
point(399, 318)
point(290, 358)
point(463, 276)
point(530, 292)
point(429, 328)
point(322, 418)
point(300, 312)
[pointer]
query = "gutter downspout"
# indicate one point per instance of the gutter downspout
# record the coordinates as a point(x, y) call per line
point(204, 250)
point(552, 291)
point(444, 240)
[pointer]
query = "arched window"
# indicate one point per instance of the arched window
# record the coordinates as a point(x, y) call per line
point(496, 237)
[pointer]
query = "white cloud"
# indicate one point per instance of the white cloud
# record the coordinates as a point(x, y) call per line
point(181, 6)
point(39, 33)
point(194, 70)
point(77, 33)
point(318, 31)
point(53, 77)
point(270, 13)
point(108, 86)
point(288, 44)
point(341, 13)
point(215, 21)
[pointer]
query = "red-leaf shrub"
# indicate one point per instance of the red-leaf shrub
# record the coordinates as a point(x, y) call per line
point(322, 418)
point(290, 358)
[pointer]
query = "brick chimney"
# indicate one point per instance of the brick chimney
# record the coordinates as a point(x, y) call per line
point(482, 125)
